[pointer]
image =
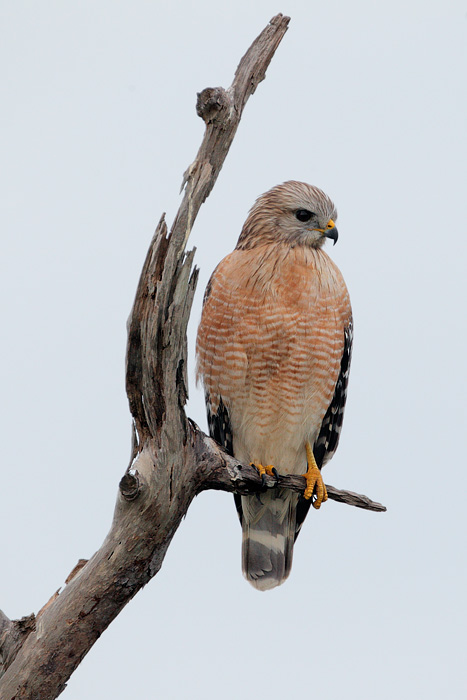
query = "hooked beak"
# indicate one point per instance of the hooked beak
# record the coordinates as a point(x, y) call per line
point(330, 231)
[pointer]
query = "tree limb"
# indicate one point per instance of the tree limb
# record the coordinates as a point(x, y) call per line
point(171, 459)
point(218, 470)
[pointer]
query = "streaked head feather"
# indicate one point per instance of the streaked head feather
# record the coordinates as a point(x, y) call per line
point(272, 217)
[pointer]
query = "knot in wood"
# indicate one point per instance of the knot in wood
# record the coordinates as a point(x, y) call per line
point(129, 486)
point(211, 103)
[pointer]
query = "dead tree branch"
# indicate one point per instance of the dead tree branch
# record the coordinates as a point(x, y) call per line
point(218, 470)
point(172, 460)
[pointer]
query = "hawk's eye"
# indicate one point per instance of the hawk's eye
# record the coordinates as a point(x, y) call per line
point(303, 214)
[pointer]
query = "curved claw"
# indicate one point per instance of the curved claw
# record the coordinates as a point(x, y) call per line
point(265, 469)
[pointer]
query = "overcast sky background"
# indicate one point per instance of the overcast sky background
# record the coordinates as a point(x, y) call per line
point(367, 100)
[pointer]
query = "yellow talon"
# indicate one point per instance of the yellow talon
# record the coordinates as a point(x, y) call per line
point(268, 469)
point(314, 480)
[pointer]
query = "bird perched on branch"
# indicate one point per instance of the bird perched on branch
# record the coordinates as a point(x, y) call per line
point(273, 352)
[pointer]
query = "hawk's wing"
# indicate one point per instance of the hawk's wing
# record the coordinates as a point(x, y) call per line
point(219, 425)
point(331, 427)
point(221, 431)
point(329, 434)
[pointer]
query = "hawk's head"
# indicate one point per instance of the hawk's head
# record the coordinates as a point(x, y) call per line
point(295, 213)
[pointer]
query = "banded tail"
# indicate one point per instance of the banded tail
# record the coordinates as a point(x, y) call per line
point(269, 528)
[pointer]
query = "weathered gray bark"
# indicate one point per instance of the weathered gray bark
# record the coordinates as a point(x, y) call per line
point(172, 460)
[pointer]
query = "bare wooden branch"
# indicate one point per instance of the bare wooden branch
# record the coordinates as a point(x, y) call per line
point(171, 459)
point(218, 470)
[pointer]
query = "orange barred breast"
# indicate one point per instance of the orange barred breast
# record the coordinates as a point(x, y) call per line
point(270, 343)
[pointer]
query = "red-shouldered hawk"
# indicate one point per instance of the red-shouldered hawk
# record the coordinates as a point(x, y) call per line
point(273, 349)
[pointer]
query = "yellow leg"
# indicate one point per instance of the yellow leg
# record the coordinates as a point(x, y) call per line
point(314, 480)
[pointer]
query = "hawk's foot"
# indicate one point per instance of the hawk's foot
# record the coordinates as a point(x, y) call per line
point(314, 480)
point(269, 469)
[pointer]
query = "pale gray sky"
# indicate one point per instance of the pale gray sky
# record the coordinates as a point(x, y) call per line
point(366, 100)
